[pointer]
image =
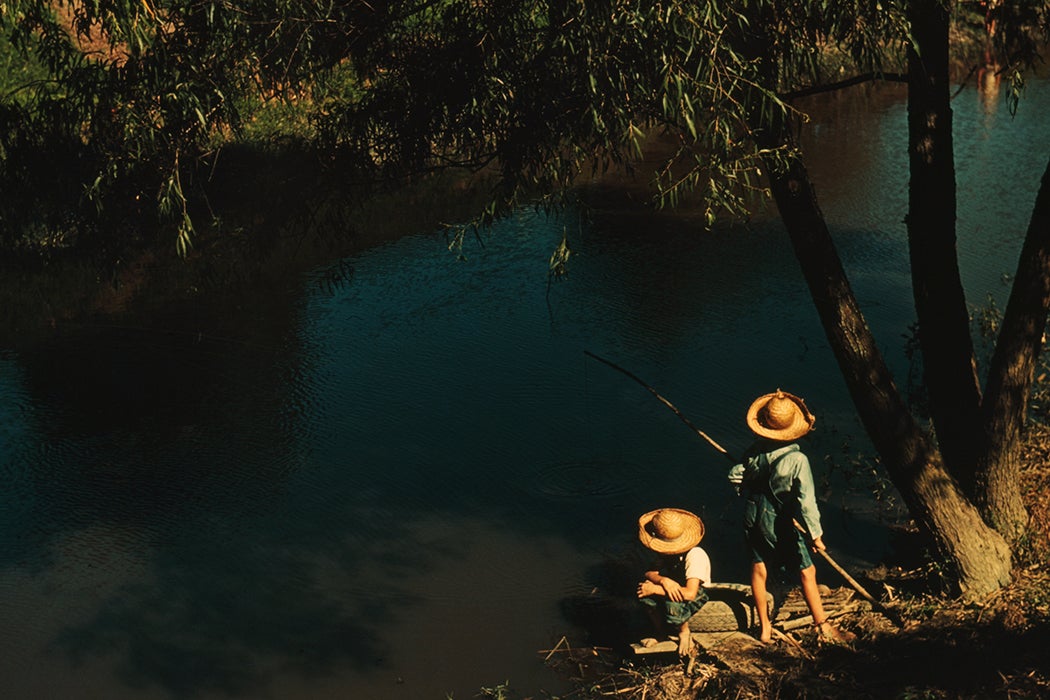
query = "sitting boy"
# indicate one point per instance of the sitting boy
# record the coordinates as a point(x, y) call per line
point(673, 588)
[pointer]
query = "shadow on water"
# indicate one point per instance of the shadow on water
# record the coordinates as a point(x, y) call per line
point(165, 424)
point(210, 523)
point(203, 582)
point(212, 581)
point(232, 498)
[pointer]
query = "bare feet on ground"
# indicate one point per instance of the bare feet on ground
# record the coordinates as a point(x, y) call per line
point(828, 632)
point(685, 640)
point(685, 644)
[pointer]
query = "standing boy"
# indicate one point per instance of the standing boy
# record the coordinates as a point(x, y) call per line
point(776, 478)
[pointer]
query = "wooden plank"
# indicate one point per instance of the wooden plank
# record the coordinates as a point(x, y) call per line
point(660, 647)
point(807, 620)
point(706, 641)
point(837, 603)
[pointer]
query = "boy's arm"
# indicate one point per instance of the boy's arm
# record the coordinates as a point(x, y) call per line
point(655, 584)
point(691, 588)
point(807, 497)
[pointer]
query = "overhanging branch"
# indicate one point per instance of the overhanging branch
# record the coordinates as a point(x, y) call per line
point(848, 82)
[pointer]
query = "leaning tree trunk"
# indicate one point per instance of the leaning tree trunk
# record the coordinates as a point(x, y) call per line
point(1010, 376)
point(944, 323)
point(980, 557)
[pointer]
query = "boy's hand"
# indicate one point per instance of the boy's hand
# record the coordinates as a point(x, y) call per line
point(674, 591)
point(818, 545)
point(647, 588)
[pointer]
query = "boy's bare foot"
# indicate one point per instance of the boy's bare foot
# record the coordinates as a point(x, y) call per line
point(765, 634)
point(685, 644)
point(828, 632)
point(685, 640)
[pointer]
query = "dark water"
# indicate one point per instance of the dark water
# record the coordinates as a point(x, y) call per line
point(400, 477)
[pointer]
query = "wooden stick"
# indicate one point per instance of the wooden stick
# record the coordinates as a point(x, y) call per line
point(792, 641)
point(875, 604)
point(556, 647)
point(852, 581)
point(807, 620)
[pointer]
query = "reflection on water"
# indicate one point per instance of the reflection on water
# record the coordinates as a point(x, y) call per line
point(400, 476)
point(587, 480)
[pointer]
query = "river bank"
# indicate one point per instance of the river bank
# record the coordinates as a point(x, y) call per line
point(945, 650)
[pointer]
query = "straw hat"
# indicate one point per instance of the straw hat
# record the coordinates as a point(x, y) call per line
point(670, 530)
point(780, 416)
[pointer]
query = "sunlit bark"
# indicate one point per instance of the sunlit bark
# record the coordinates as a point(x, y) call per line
point(1010, 375)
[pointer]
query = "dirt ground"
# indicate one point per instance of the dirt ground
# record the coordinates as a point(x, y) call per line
point(946, 648)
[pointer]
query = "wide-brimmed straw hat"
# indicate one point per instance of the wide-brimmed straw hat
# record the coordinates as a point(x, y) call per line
point(670, 530)
point(780, 416)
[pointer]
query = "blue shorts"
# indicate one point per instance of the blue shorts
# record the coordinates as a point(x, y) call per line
point(771, 536)
point(676, 612)
point(789, 550)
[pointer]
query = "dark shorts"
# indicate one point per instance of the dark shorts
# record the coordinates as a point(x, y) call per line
point(675, 612)
point(790, 551)
point(772, 539)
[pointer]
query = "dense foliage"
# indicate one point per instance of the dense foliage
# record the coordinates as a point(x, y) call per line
point(120, 103)
point(127, 98)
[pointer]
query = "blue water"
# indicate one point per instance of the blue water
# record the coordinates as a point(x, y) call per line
point(400, 485)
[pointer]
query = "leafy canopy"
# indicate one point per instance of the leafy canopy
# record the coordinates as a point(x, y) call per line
point(138, 94)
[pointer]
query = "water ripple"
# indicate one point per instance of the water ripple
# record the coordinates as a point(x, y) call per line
point(593, 479)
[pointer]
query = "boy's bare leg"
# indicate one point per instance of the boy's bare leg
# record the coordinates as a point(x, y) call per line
point(758, 590)
point(811, 593)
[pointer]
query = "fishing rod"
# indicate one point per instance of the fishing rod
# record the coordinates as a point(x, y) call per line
point(667, 403)
point(823, 552)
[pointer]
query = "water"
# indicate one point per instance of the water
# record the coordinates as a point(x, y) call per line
point(406, 484)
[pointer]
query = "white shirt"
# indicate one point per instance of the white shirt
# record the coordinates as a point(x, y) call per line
point(698, 565)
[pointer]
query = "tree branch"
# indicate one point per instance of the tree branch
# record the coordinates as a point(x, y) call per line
point(848, 82)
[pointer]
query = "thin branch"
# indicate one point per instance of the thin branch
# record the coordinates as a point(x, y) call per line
point(848, 82)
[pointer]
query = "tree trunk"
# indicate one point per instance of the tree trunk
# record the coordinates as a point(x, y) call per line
point(1010, 376)
point(940, 303)
point(979, 556)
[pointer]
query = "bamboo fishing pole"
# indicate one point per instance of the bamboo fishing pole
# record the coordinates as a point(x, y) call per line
point(823, 552)
point(665, 402)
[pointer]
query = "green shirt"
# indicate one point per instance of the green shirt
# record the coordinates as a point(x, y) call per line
point(787, 476)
